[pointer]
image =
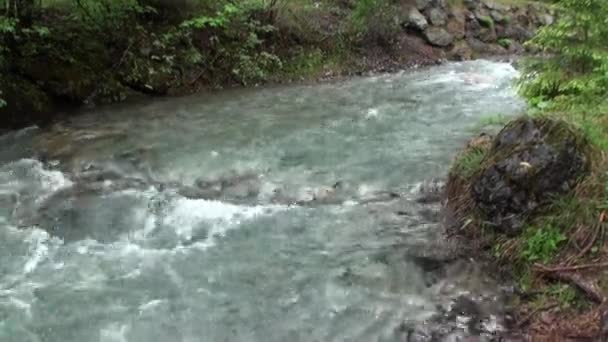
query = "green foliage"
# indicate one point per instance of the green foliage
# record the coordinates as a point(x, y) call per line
point(374, 20)
point(486, 21)
point(505, 42)
point(542, 243)
point(469, 162)
point(220, 20)
point(576, 69)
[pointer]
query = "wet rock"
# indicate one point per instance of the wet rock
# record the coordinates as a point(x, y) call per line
point(461, 51)
point(431, 192)
point(438, 36)
point(416, 20)
point(530, 161)
point(437, 16)
point(232, 187)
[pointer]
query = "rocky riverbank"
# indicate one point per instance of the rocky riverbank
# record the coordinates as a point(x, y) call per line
point(47, 73)
point(526, 201)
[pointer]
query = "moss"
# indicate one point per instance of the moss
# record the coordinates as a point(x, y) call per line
point(505, 42)
point(486, 21)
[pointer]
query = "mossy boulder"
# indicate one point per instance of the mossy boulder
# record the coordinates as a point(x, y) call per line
point(528, 163)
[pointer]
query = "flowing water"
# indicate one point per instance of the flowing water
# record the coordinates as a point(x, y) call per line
point(277, 214)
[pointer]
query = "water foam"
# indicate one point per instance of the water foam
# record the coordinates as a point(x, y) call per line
point(187, 215)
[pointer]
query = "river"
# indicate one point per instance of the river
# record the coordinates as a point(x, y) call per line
point(287, 213)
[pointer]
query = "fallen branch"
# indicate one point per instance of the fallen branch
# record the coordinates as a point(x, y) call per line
point(544, 269)
point(591, 242)
point(589, 288)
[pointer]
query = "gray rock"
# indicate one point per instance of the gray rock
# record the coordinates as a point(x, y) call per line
point(438, 36)
point(456, 28)
point(531, 161)
point(472, 28)
point(498, 16)
point(546, 19)
point(495, 5)
point(437, 17)
point(516, 32)
point(416, 20)
point(422, 4)
point(461, 51)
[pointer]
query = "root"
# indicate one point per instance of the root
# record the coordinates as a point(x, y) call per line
point(544, 269)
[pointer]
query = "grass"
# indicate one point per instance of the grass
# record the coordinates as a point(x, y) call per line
point(505, 42)
point(491, 121)
point(469, 162)
point(541, 244)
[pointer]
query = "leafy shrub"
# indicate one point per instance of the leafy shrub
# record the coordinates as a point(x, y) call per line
point(541, 244)
point(576, 67)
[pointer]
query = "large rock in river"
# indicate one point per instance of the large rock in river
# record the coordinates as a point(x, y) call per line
point(529, 161)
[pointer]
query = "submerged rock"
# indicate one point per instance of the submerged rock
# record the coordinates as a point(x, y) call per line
point(530, 161)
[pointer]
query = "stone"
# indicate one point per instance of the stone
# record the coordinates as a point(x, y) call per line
point(461, 51)
point(488, 35)
point(438, 36)
point(437, 17)
point(516, 32)
point(495, 5)
point(545, 19)
point(472, 28)
point(530, 161)
point(456, 28)
point(416, 20)
point(498, 16)
point(477, 45)
point(422, 4)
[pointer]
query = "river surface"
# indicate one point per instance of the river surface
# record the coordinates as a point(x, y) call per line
point(296, 213)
